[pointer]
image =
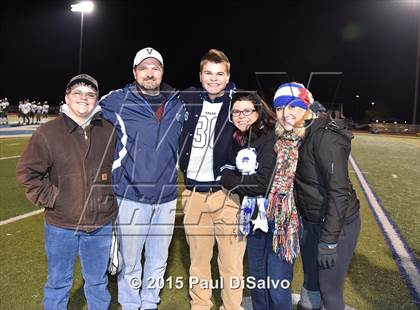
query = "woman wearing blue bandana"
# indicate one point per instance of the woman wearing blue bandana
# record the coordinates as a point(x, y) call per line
point(254, 141)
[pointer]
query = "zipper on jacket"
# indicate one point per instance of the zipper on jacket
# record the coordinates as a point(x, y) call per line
point(147, 104)
point(170, 98)
point(88, 131)
point(82, 219)
point(85, 178)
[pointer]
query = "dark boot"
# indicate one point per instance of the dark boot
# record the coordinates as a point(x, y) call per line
point(300, 307)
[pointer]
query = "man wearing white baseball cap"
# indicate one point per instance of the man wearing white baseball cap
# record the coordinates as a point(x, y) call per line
point(147, 53)
point(148, 117)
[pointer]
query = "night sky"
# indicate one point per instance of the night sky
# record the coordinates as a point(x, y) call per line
point(372, 42)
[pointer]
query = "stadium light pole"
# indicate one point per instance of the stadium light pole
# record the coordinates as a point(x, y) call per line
point(357, 105)
point(416, 9)
point(82, 7)
point(416, 90)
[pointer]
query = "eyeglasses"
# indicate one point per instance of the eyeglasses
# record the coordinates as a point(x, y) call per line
point(79, 94)
point(245, 112)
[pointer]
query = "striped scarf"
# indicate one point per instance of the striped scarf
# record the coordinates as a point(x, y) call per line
point(281, 204)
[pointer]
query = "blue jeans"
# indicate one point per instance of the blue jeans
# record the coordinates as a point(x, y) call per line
point(265, 265)
point(148, 226)
point(62, 246)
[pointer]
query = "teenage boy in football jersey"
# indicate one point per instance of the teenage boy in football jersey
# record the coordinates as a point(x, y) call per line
point(210, 212)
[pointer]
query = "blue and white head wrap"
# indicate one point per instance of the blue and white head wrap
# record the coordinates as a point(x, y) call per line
point(294, 95)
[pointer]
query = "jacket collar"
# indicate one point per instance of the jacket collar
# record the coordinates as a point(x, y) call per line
point(227, 96)
point(340, 126)
point(132, 93)
point(72, 125)
point(313, 125)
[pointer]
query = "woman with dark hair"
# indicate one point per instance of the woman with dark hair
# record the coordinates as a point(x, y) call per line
point(254, 142)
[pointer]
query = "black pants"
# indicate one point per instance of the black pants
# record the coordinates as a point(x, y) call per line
point(330, 282)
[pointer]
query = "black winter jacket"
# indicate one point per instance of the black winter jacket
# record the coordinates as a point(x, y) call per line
point(258, 183)
point(193, 99)
point(323, 191)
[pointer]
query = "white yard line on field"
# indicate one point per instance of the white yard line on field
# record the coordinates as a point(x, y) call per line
point(352, 171)
point(20, 217)
point(402, 253)
point(9, 157)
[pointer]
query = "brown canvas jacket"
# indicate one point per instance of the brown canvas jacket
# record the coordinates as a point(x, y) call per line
point(67, 170)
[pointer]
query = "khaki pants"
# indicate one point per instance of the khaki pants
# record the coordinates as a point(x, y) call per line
point(210, 217)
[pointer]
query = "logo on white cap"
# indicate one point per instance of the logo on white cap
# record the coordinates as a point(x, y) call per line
point(147, 53)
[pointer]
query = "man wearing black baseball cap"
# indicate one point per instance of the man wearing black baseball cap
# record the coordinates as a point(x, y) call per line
point(83, 79)
point(66, 168)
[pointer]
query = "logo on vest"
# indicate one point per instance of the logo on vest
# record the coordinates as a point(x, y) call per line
point(104, 177)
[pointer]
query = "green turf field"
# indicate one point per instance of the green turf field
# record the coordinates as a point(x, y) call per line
point(392, 167)
point(12, 198)
point(373, 280)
